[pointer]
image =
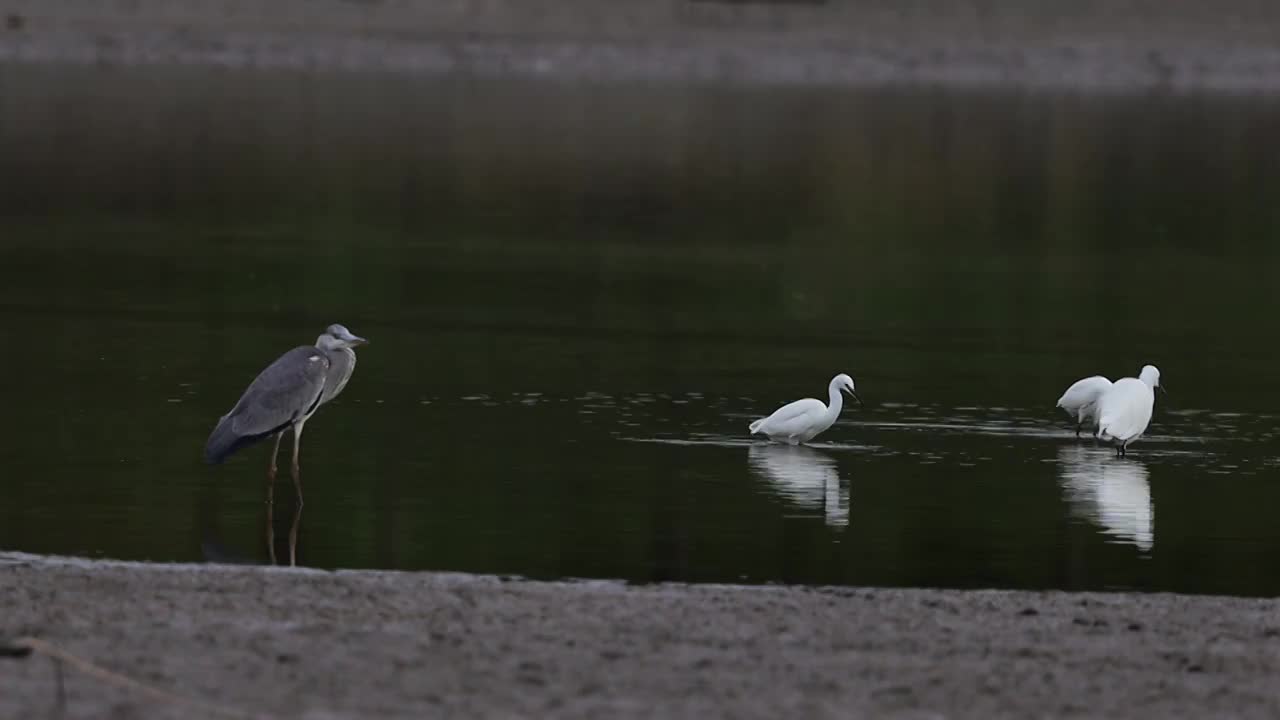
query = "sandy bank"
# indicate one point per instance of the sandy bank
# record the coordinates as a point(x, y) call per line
point(298, 643)
point(1130, 44)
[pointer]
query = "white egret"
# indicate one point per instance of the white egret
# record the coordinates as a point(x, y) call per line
point(802, 420)
point(1080, 401)
point(1124, 411)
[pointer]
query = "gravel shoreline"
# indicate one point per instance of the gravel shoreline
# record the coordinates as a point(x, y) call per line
point(1131, 45)
point(313, 644)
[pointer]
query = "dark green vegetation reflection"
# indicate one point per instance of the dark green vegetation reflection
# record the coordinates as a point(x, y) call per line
point(578, 297)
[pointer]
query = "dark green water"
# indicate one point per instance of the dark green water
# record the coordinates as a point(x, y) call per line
point(578, 297)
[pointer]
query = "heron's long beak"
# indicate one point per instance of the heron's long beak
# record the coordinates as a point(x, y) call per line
point(357, 340)
point(853, 394)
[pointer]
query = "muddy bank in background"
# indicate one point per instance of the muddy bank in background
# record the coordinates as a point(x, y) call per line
point(1101, 45)
point(300, 643)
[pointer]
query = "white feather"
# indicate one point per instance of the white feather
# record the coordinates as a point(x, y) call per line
point(1080, 401)
point(1124, 411)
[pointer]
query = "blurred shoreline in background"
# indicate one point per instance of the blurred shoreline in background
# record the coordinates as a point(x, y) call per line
point(1125, 46)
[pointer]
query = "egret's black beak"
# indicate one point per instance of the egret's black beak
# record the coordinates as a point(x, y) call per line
point(853, 395)
point(1166, 392)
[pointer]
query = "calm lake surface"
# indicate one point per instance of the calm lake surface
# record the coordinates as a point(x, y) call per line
point(579, 296)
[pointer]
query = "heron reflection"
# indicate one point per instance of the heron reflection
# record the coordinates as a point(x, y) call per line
point(213, 551)
point(804, 477)
point(1113, 494)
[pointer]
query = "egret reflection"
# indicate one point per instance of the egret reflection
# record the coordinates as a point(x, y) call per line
point(1109, 492)
point(804, 477)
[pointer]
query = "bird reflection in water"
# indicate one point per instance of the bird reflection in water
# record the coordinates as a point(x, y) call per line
point(1108, 492)
point(214, 551)
point(293, 534)
point(804, 477)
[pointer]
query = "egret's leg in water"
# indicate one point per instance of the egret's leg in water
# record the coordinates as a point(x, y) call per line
point(297, 471)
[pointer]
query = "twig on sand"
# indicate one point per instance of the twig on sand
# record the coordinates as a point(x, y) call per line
point(26, 646)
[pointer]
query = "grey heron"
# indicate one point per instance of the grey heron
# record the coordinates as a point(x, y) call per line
point(284, 396)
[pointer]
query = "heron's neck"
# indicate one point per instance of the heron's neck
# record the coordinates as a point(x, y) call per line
point(350, 365)
point(342, 362)
point(835, 403)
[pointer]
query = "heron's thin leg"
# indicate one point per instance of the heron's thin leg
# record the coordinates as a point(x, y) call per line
point(271, 496)
point(271, 538)
point(297, 471)
point(293, 536)
point(271, 470)
point(270, 499)
point(271, 531)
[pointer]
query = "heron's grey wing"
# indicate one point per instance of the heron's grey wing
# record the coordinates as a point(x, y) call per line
point(285, 391)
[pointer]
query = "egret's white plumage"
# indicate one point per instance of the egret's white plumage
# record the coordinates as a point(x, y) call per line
point(1124, 411)
point(802, 420)
point(1080, 401)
